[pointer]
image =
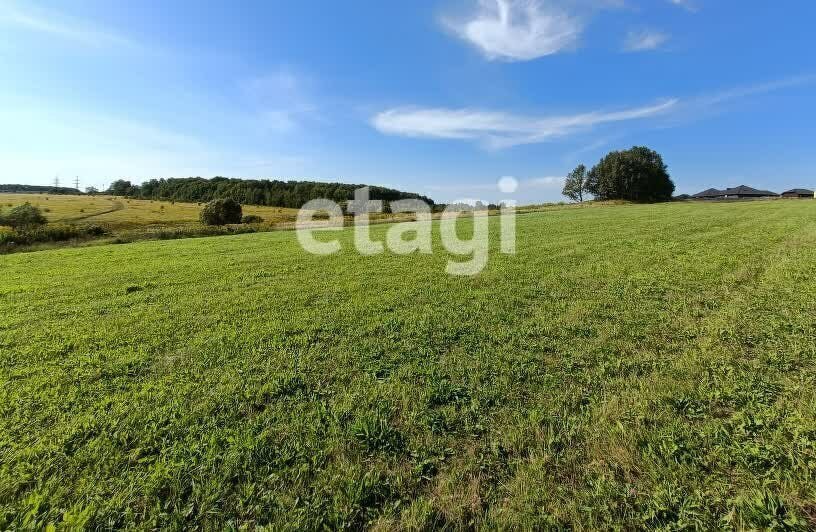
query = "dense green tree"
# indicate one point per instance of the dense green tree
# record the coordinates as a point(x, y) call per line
point(221, 212)
point(121, 187)
point(575, 186)
point(638, 174)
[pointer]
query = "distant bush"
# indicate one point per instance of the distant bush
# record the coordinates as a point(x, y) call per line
point(94, 230)
point(252, 219)
point(221, 212)
point(192, 232)
point(25, 215)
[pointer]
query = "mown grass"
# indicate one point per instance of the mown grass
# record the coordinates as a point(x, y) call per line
point(631, 366)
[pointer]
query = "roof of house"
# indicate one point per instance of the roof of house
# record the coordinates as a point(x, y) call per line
point(799, 191)
point(710, 193)
point(743, 190)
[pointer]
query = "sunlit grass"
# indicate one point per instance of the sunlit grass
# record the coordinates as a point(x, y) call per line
point(631, 366)
point(128, 213)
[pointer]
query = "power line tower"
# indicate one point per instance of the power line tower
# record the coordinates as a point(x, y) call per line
point(76, 182)
point(56, 181)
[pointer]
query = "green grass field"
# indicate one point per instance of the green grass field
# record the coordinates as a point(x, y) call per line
point(631, 366)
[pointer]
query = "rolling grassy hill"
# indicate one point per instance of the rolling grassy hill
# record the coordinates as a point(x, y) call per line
point(630, 366)
point(120, 213)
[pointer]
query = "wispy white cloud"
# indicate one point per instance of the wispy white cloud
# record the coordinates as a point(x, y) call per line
point(577, 154)
point(546, 182)
point(499, 129)
point(718, 102)
point(43, 141)
point(282, 99)
point(518, 30)
point(688, 5)
point(755, 89)
point(58, 25)
point(640, 41)
point(526, 189)
point(470, 188)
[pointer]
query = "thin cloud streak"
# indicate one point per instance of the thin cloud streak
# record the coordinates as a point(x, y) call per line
point(56, 25)
point(716, 103)
point(99, 148)
point(756, 89)
point(688, 5)
point(283, 99)
point(496, 130)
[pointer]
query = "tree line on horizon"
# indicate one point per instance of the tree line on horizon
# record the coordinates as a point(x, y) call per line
point(291, 194)
point(39, 189)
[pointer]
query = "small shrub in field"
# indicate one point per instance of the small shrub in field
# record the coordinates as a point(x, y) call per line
point(6, 234)
point(221, 212)
point(25, 215)
point(251, 219)
point(94, 230)
point(51, 233)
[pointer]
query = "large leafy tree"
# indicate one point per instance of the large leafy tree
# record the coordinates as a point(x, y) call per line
point(121, 187)
point(575, 186)
point(638, 174)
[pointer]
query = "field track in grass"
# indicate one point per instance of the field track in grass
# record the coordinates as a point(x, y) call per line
point(636, 366)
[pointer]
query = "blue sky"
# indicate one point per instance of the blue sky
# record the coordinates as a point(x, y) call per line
point(441, 98)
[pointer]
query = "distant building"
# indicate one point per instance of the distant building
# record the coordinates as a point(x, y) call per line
point(740, 192)
point(711, 193)
point(798, 193)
